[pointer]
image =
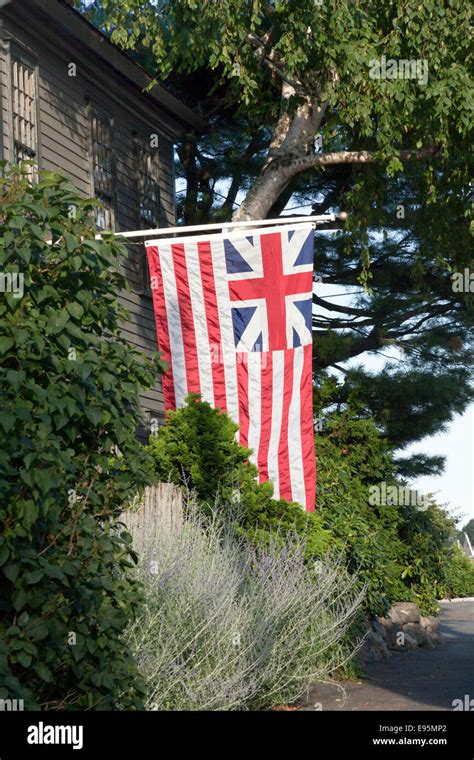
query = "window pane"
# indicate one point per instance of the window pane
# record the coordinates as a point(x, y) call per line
point(103, 169)
point(24, 114)
point(148, 194)
point(148, 185)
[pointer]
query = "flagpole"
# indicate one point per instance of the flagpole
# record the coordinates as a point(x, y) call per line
point(321, 219)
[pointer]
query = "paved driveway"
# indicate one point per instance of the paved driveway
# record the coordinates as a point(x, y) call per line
point(424, 679)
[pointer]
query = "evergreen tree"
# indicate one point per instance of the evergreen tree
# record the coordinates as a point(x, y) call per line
point(469, 529)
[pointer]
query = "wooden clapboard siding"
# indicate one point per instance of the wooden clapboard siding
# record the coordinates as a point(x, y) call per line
point(53, 37)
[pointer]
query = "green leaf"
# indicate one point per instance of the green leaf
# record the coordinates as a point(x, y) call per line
point(43, 672)
point(19, 599)
point(96, 679)
point(57, 322)
point(94, 415)
point(11, 571)
point(15, 378)
point(5, 344)
point(24, 659)
point(75, 310)
point(38, 632)
point(7, 421)
point(34, 577)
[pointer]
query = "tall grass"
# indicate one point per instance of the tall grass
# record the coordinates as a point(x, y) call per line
point(226, 626)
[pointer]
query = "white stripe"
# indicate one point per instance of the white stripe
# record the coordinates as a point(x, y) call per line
point(174, 323)
point(255, 391)
point(228, 356)
point(203, 348)
point(278, 371)
point(294, 431)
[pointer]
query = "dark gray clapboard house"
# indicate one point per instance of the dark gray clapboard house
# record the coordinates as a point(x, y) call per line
point(74, 103)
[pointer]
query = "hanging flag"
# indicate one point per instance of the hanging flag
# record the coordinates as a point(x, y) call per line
point(233, 315)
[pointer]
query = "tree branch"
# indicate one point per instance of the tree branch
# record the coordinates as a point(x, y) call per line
point(342, 309)
point(270, 60)
point(349, 157)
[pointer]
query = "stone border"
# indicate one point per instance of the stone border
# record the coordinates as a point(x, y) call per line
point(404, 629)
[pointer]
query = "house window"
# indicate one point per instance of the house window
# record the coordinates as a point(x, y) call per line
point(25, 130)
point(103, 170)
point(148, 185)
point(148, 195)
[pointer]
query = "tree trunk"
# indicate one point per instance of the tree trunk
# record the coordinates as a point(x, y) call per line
point(292, 137)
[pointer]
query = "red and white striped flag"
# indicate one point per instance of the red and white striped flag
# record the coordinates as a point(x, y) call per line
point(233, 315)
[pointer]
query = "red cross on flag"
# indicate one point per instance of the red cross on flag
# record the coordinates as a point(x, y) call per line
point(233, 315)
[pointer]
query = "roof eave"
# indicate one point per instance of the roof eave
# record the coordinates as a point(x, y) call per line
point(87, 34)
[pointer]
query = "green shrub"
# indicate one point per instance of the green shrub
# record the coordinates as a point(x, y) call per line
point(401, 552)
point(197, 447)
point(427, 536)
point(459, 575)
point(68, 456)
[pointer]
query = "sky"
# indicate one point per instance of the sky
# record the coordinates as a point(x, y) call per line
point(456, 485)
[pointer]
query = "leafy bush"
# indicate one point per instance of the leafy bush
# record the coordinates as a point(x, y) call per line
point(350, 457)
point(400, 552)
point(428, 537)
point(68, 456)
point(459, 576)
point(197, 447)
point(228, 626)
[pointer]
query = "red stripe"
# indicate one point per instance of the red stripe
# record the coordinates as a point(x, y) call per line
point(265, 414)
point(187, 318)
point(213, 325)
point(159, 307)
point(283, 456)
point(243, 392)
point(307, 430)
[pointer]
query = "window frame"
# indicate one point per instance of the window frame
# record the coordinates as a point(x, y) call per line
point(94, 111)
point(26, 57)
point(140, 146)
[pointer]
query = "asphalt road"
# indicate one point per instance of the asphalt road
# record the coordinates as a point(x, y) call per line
point(424, 679)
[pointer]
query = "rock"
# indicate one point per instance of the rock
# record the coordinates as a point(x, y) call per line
point(430, 622)
point(379, 628)
point(392, 635)
point(416, 631)
point(388, 626)
point(434, 638)
point(404, 612)
point(403, 629)
point(397, 640)
point(410, 642)
point(374, 648)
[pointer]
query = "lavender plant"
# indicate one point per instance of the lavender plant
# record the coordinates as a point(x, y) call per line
point(226, 626)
